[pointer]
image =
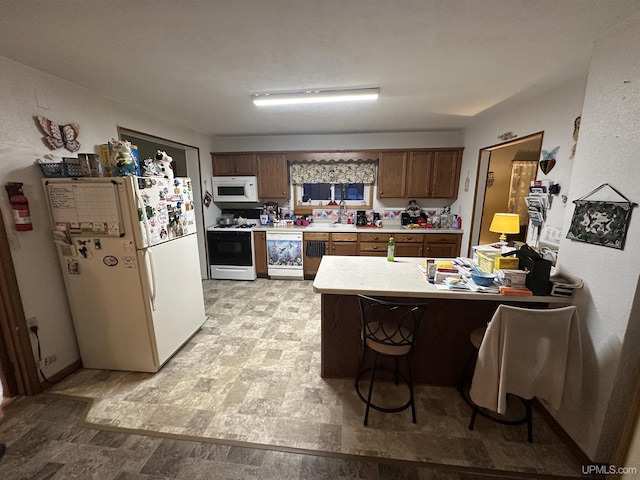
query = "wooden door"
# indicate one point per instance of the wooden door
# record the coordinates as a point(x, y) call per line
point(392, 174)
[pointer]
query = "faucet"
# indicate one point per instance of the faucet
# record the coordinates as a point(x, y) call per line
point(342, 209)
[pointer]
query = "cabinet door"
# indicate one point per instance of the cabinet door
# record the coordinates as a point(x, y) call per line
point(223, 165)
point(245, 164)
point(231, 165)
point(409, 250)
point(445, 174)
point(419, 175)
point(442, 245)
point(260, 253)
point(273, 178)
point(344, 244)
point(392, 174)
point(311, 264)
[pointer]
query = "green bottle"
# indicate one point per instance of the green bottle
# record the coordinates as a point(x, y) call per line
point(391, 246)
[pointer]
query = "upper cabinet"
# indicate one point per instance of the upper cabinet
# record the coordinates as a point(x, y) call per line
point(419, 174)
point(230, 165)
point(392, 174)
point(273, 177)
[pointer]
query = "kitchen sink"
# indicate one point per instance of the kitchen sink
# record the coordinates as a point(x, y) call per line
point(332, 226)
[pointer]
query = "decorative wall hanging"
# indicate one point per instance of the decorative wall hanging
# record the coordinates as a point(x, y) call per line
point(491, 179)
point(548, 160)
point(576, 132)
point(506, 136)
point(58, 136)
point(601, 222)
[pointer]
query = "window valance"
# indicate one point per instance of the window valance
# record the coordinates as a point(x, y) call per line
point(333, 172)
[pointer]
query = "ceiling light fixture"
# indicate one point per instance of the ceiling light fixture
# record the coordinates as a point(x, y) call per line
point(316, 96)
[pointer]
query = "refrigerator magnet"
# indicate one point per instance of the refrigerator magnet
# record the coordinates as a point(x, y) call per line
point(73, 267)
point(129, 262)
point(110, 261)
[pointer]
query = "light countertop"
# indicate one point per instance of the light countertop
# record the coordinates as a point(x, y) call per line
point(376, 276)
point(328, 227)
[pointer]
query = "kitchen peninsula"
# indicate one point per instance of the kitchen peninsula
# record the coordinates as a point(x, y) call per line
point(442, 343)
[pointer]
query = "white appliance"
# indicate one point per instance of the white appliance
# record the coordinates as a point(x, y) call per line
point(129, 257)
point(284, 255)
point(231, 252)
point(235, 189)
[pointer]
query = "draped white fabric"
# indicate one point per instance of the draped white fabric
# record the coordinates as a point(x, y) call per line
point(333, 172)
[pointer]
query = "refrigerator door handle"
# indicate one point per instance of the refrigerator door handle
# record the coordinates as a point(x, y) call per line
point(146, 241)
point(152, 271)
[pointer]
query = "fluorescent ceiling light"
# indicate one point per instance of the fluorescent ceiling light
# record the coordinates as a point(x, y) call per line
point(316, 96)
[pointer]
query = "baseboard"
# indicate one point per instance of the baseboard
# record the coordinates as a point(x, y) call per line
point(564, 436)
point(59, 375)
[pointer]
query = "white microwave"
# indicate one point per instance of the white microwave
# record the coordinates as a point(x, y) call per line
point(235, 189)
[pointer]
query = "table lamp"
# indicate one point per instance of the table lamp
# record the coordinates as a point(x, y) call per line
point(504, 223)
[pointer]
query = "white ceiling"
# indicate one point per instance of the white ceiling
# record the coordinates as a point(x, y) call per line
point(437, 62)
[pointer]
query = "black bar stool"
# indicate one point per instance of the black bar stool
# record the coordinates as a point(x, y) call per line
point(388, 331)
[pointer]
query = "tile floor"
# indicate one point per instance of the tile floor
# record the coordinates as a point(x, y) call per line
point(250, 380)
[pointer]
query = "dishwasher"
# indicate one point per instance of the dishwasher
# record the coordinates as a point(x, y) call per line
point(284, 255)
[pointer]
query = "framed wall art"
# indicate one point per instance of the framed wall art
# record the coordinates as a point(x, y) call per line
point(601, 222)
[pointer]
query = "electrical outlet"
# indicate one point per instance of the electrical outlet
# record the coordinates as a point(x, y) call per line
point(32, 322)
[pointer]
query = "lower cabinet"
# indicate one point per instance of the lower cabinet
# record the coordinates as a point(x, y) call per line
point(374, 244)
point(442, 245)
point(260, 254)
point(344, 244)
point(311, 263)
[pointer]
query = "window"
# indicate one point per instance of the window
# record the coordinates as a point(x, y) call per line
point(320, 192)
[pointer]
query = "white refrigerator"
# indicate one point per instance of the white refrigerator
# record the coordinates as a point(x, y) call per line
point(129, 257)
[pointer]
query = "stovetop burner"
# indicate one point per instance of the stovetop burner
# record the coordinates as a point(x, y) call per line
point(235, 227)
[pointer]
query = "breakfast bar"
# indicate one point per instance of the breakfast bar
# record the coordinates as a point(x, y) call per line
point(442, 343)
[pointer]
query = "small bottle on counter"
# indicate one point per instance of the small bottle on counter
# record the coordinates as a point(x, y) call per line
point(391, 247)
point(455, 224)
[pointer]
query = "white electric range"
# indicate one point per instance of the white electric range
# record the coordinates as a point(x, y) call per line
point(231, 250)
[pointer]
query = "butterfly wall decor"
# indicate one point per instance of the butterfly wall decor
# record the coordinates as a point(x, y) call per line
point(58, 136)
point(548, 160)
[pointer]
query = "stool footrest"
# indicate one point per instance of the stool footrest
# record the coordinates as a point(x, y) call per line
point(378, 407)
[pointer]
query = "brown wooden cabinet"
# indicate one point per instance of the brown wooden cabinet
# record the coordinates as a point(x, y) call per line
point(406, 244)
point(344, 244)
point(310, 264)
point(442, 245)
point(374, 244)
point(273, 178)
point(260, 254)
point(392, 174)
point(233, 165)
point(419, 174)
point(409, 244)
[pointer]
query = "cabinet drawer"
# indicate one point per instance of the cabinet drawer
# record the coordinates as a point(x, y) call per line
point(375, 237)
point(344, 237)
point(441, 237)
point(408, 238)
point(316, 236)
point(373, 247)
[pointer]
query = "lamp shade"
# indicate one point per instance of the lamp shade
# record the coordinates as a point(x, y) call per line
point(504, 223)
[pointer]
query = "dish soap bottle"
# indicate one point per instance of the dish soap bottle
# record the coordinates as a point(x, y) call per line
point(391, 246)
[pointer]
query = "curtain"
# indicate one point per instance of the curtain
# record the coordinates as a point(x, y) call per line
point(522, 172)
point(333, 172)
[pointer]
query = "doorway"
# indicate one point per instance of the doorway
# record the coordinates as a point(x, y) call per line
point(504, 175)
